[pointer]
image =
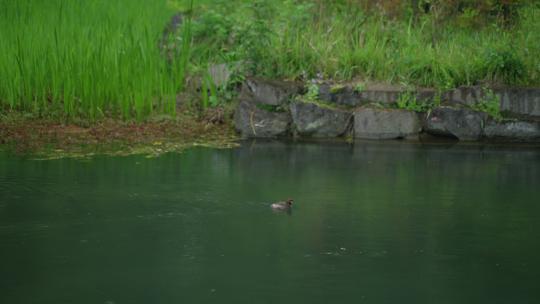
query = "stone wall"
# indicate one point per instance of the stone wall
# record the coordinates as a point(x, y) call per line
point(270, 108)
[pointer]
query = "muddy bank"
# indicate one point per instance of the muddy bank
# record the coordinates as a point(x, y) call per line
point(378, 111)
point(47, 138)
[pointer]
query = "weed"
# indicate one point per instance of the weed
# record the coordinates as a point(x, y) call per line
point(360, 87)
point(337, 88)
point(209, 93)
point(489, 104)
point(312, 92)
point(271, 108)
point(408, 101)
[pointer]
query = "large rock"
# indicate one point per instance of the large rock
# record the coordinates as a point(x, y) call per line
point(319, 121)
point(340, 95)
point(514, 102)
point(220, 74)
point(465, 95)
point(520, 102)
point(381, 93)
point(251, 121)
point(269, 92)
point(461, 123)
point(371, 123)
point(513, 130)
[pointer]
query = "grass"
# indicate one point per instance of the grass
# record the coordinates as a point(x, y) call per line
point(310, 39)
point(408, 101)
point(89, 58)
point(101, 58)
point(489, 104)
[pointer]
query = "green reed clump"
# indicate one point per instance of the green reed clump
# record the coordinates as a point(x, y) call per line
point(87, 58)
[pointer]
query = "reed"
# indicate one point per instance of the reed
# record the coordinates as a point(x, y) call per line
point(89, 58)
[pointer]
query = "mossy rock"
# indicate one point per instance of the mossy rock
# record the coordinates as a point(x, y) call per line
point(313, 120)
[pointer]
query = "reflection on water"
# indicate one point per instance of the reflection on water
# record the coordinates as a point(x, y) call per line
point(375, 222)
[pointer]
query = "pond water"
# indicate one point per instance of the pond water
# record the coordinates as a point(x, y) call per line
point(375, 222)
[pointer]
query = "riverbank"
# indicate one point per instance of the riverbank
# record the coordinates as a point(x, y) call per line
point(281, 109)
point(132, 58)
point(49, 138)
point(363, 110)
point(139, 77)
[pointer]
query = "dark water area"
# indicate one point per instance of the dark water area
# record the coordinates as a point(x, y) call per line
point(372, 223)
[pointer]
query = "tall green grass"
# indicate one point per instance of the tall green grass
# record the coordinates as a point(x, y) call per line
point(298, 39)
point(87, 57)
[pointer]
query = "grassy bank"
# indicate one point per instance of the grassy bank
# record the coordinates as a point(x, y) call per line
point(101, 59)
point(343, 40)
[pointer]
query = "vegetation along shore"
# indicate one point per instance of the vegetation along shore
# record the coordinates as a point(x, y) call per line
point(179, 66)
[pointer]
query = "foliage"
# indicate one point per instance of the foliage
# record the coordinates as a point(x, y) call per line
point(341, 40)
point(504, 65)
point(489, 104)
point(312, 92)
point(359, 87)
point(465, 13)
point(88, 58)
point(408, 101)
point(208, 93)
point(256, 39)
point(102, 58)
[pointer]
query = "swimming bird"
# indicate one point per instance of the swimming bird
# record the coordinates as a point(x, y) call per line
point(286, 205)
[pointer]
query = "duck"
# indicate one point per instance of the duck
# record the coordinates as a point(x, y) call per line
point(286, 205)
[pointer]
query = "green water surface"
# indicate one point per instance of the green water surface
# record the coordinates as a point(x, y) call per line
point(372, 223)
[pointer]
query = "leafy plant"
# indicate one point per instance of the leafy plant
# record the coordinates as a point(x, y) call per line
point(360, 87)
point(312, 92)
point(408, 101)
point(489, 104)
point(255, 39)
point(209, 91)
